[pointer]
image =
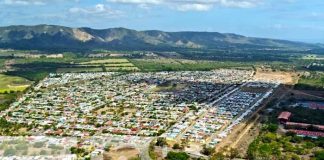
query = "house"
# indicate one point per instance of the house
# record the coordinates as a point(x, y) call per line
point(284, 117)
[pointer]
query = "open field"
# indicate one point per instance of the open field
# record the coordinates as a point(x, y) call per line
point(104, 61)
point(120, 154)
point(312, 57)
point(283, 77)
point(120, 65)
point(2, 63)
point(311, 81)
point(6, 100)
point(13, 83)
point(168, 64)
point(121, 69)
point(76, 70)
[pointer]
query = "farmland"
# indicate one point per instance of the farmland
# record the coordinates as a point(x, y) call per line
point(106, 61)
point(111, 64)
point(13, 83)
point(76, 70)
point(166, 64)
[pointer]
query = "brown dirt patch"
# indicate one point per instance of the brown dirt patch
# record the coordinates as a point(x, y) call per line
point(284, 77)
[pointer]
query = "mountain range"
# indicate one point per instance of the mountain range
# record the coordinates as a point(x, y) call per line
point(51, 37)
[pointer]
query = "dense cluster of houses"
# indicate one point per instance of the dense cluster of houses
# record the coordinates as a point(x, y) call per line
point(82, 104)
point(211, 124)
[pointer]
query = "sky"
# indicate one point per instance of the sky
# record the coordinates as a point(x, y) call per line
point(298, 20)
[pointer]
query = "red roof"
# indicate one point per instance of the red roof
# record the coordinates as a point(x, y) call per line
point(298, 124)
point(320, 127)
point(284, 115)
point(308, 133)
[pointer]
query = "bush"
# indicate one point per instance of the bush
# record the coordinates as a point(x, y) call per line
point(176, 146)
point(43, 152)
point(272, 127)
point(177, 156)
point(207, 150)
point(161, 142)
point(38, 144)
point(9, 152)
point(319, 155)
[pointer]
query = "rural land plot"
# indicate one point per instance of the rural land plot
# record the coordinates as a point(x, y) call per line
point(13, 83)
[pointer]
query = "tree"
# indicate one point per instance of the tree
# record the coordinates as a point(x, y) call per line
point(234, 153)
point(176, 146)
point(177, 156)
point(161, 142)
point(319, 155)
point(218, 156)
point(43, 152)
point(272, 127)
point(207, 150)
point(107, 148)
point(9, 152)
point(322, 81)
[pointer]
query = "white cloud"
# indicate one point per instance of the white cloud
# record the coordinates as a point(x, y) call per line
point(98, 10)
point(138, 1)
point(24, 2)
point(195, 5)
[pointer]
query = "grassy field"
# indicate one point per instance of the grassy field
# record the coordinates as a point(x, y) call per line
point(121, 69)
point(164, 64)
point(106, 61)
point(315, 81)
point(2, 61)
point(13, 83)
point(6, 100)
point(120, 65)
point(76, 70)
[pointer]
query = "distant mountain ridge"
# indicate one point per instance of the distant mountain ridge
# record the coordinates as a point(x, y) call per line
point(48, 37)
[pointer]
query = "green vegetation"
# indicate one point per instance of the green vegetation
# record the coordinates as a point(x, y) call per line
point(208, 150)
point(315, 81)
point(13, 83)
point(106, 61)
point(119, 65)
point(2, 63)
point(270, 145)
point(161, 142)
point(299, 114)
point(80, 152)
point(6, 100)
point(78, 70)
point(305, 115)
point(121, 69)
point(182, 65)
point(319, 155)
point(10, 129)
point(177, 156)
point(152, 154)
point(32, 75)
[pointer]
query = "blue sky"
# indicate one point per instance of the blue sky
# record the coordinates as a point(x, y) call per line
point(301, 20)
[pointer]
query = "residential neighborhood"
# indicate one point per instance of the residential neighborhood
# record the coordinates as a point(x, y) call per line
point(199, 107)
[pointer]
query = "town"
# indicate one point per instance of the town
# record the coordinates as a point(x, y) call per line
point(200, 107)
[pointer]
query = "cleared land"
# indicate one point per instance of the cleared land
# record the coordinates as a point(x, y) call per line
point(283, 77)
point(121, 154)
point(104, 61)
point(13, 83)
